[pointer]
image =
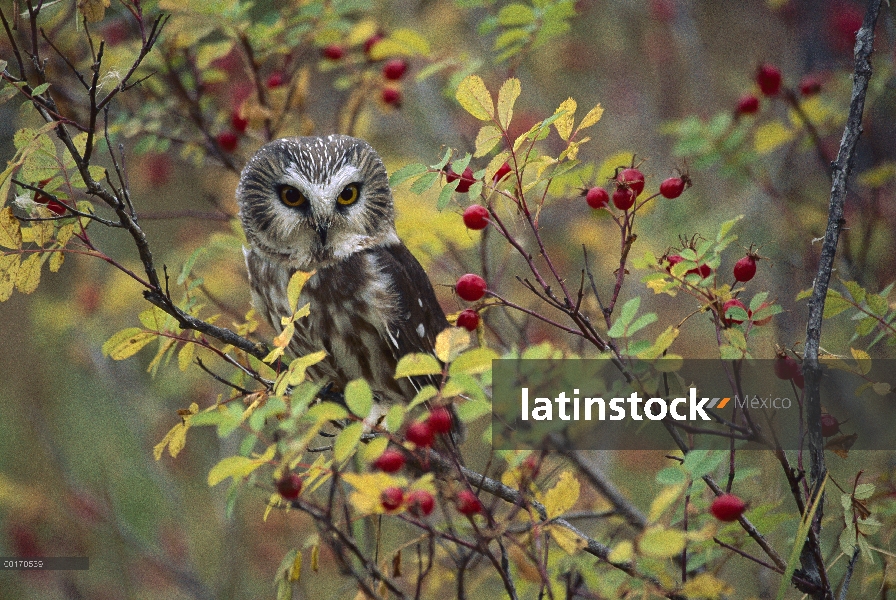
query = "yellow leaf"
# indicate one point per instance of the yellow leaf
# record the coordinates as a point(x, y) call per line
point(878, 176)
point(373, 449)
point(591, 118)
point(486, 140)
point(298, 367)
point(451, 342)
point(475, 98)
point(296, 282)
point(660, 542)
point(570, 541)
point(175, 440)
point(472, 362)
point(56, 260)
point(411, 365)
point(771, 136)
point(706, 586)
point(42, 231)
point(881, 388)
point(185, 356)
point(295, 572)
point(401, 42)
point(28, 276)
point(9, 269)
point(93, 10)
point(10, 230)
point(347, 441)
point(283, 338)
point(238, 467)
point(663, 501)
point(127, 343)
point(663, 341)
point(863, 360)
point(507, 95)
point(562, 496)
point(621, 552)
point(563, 124)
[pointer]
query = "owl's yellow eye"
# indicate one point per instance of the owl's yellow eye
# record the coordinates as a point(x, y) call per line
point(348, 195)
point(292, 197)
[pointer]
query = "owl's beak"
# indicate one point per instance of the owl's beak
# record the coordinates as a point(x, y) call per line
point(322, 234)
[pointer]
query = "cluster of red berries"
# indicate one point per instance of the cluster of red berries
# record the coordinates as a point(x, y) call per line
point(628, 185)
point(421, 503)
point(768, 78)
point(423, 433)
point(393, 69)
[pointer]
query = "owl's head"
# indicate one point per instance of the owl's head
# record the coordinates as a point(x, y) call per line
point(313, 201)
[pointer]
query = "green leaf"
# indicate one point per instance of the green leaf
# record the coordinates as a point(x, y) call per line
point(359, 397)
point(515, 14)
point(591, 118)
point(395, 418)
point(347, 441)
point(855, 290)
point(9, 269)
point(877, 304)
point(411, 365)
point(445, 195)
point(472, 362)
point(472, 409)
point(426, 394)
point(405, 173)
point(701, 462)
point(641, 322)
point(475, 98)
point(507, 95)
point(834, 305)
point(424, 182)
point(28, 276)
point(726, 227)
point(238, 467)
point(326, 411)
point(626, 315)
point(659, 542)
point(671, 476)
point(40, 89)
point(486, 140)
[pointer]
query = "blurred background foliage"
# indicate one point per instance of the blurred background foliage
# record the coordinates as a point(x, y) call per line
point(77, 475)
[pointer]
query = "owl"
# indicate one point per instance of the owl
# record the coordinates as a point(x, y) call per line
point(324, 204)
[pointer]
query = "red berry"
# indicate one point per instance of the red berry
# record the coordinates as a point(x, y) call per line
point(391, 96)
point(56, 207)
point(673, 259)
point(468, 319)
point(745, 268)
point(748, 105)
point(238, 123)
point(769, 79)
point(633, 178)
point(727, 507)
point(501, 173)
point(395, 69)
point(439, 420)
point(703, 271)
point(597, 197)
point(728, 304)
point(333, 52)
point(466, 180)
point(391, 498)
point(228, 141)
point(421, 434)
point(470, 287)
point(799, 380)
point(468, 503)
point(810, 85)
point(476, 217)
point(786, 367)
point(829, 425)
point(370, 42)
point(623, 198)
point(420, 503)
point(389, 461)
point(290, 486)
point(672, 187)
point(275, 80)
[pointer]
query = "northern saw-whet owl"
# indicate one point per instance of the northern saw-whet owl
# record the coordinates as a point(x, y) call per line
point(324, 204)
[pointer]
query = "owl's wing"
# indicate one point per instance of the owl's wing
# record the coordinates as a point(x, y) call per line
point(419, 318)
